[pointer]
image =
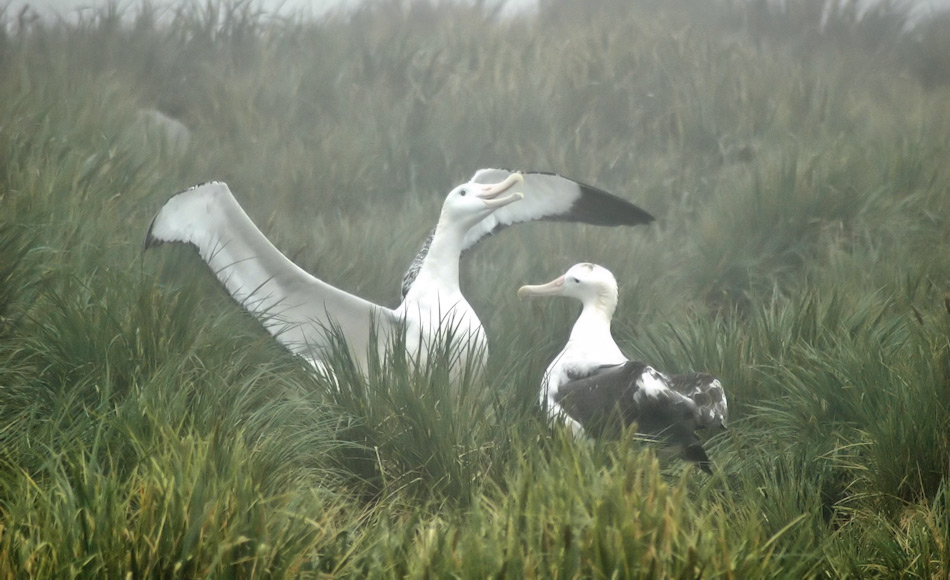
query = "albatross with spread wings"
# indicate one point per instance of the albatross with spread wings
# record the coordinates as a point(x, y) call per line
point(302, 311)
point(590, 384)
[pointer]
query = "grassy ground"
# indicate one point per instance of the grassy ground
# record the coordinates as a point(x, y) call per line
point(797, 164)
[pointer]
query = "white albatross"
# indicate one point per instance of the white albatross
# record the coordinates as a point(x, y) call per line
point(302, 312)
point(590, 382)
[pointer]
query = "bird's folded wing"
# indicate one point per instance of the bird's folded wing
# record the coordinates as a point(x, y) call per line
point(706, 391)
point(609, 389)
point(297, 308)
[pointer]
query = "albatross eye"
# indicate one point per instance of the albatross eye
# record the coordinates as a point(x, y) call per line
point(463, 192)
point(575, 280)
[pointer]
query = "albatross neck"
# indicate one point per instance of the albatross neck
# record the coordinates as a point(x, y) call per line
point(440, 267)
point(595, 316)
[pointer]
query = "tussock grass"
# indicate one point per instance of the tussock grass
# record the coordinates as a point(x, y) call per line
point(795, 158)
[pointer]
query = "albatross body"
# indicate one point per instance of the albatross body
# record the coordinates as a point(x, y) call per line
point(591, 383)
point(303, 312)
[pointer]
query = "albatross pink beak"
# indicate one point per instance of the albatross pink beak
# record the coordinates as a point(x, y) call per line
point(553, 287)
point(489, 193)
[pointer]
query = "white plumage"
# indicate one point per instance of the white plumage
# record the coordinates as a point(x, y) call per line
point(547, 197)
point(301, 310)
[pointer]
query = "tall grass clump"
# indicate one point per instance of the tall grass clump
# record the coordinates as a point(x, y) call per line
point(191, 506)
point(20, 274)
point(436, 430)
point(793, 153)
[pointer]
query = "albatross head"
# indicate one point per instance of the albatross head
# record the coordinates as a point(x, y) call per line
point(589, 283)
point(471, 202)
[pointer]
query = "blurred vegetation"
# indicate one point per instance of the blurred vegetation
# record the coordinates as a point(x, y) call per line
point(795, 156)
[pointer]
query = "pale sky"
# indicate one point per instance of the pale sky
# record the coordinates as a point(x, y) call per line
point(316, 7)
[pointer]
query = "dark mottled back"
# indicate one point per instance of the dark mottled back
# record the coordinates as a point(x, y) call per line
point(607, 402)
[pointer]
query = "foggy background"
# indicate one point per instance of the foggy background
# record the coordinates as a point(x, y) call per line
point(306, 7)
point(318, 8)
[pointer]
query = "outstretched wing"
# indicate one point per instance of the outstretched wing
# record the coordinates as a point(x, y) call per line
point(300, 310)
point(706, 391)
point(552, 197)
point(548, 197)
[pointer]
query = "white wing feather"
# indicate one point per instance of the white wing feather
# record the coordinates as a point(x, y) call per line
point(544, 195)
point(297, 308)
point(548, 196)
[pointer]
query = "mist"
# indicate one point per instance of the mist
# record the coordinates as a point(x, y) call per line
point(318, 8)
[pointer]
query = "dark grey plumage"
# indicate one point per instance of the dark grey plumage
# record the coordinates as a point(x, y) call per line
point(635, 393)
point(413, 272)
point(706, 391)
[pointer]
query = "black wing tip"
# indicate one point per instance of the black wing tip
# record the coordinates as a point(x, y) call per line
point(150, 240)
point(628, 213)
point(612, 210)
point(594, 206)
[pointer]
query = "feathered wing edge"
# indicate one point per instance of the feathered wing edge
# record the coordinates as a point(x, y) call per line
point(298, 309)
point(553, 197)
point(615, 395)
point(706, 391)
point(547, 197)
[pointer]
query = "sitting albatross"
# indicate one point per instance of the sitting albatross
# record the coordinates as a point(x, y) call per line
point(302, 312)
point(590, 382)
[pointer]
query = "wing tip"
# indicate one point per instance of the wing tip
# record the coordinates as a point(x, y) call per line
point(612, 209)
point(695, 453)
point(151, 240)
point(599, 208)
